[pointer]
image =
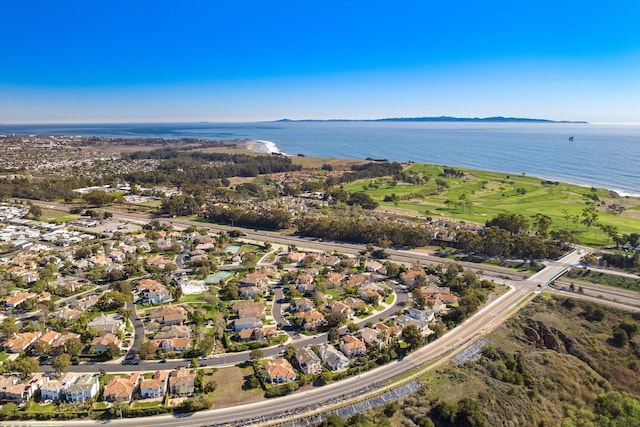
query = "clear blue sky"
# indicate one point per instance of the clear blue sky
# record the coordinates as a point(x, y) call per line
point(155, 60)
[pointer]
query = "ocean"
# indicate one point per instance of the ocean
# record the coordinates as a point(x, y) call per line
point(605, 156)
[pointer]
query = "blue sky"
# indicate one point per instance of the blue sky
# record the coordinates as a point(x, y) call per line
point(159, 61)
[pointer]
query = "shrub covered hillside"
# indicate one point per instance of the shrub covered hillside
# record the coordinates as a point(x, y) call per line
point(558, 362)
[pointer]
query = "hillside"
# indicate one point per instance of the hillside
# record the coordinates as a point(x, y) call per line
point(558, 362)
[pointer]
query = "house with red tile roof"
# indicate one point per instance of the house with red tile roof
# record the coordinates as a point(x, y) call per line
point(20, 342)
point(279, 371)
point(352, 346)
point(156, 386)
point(121, 389)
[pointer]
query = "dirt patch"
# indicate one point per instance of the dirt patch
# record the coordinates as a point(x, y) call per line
point(229, 391)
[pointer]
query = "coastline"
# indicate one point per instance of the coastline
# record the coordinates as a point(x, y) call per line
point(264, 147)
point(260, 146)
point(601, 156)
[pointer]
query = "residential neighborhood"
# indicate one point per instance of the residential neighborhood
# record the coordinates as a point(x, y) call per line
point(153, 292)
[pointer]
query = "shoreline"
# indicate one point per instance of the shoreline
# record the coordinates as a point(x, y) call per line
point(260, 146)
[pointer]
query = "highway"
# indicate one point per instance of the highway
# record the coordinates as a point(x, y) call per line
point(481, 323)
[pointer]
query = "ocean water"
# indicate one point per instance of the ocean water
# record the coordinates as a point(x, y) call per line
point(599, 155)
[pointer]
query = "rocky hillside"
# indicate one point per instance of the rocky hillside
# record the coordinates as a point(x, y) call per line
point(558, 362)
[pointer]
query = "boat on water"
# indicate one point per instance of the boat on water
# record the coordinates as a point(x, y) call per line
point(571, 138)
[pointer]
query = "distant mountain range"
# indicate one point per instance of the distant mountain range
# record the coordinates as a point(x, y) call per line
point(498, 119)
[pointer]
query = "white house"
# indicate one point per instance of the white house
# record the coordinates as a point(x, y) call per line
point(82, 389)
point(331, 357)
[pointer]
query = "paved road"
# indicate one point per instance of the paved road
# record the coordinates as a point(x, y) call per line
point(484, 321)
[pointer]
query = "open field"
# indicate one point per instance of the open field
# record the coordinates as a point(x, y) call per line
point(476, 196)
point(229, 391)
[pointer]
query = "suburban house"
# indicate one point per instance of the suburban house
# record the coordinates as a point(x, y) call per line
point(246, 323)
point(296, 257)
point(101, 343)
point(410, 277)
point(173, 331)
point(158, 261)
point(355, 304)
point(48, 338)
point(375, 266)
point(20, 342)
point(335, 278)
point(120, 389)
point(181, 382)
point(257, 334)
point(303, 304)
point(352, 346)
point(104, 323)
point(279, 370)
point(169, 315)
point(18, 298)
point(311, 319)
point(252, 291)
point(422, 315)
point(371, 337)
point(249, 308)
point(21, 392)
point(332, 358)
point(51, 390)
point(253, 279)
point(171, 344)
point(308, 361)
point(156, 386)
point(403, 321)
point(82, 389)
point(393, 330)
point(159, 295)
point(339, 308)
point(449, 299)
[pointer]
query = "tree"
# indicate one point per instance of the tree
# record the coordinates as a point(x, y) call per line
point(35, 211)
point(352, 327)
point(333, 421)
point(112, 351)
point(147, 350)
point(41, 348)
point(610, 230)
point(9, 410)
point(290, 352)
point(111, 301)
point(256, 354)
point(589, 216)
point(8, 326)
point(418, 298)
point(97, 198)
point(513, 223)
point(61, 363)
point(207, 344)
point(412, 336)
point(362, 199)
point(25, 365)
point(333, 335)
point(542, 222)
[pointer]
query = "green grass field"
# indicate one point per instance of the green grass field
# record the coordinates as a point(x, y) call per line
point(480, 195)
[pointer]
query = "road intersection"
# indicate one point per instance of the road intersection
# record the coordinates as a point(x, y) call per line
point(483, 322)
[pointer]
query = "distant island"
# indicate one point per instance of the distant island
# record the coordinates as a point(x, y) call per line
point(498, 119)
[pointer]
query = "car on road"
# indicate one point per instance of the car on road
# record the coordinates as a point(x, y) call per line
point(163, 360)
point(213, 356)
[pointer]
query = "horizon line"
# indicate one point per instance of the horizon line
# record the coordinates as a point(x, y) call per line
point(389, 119)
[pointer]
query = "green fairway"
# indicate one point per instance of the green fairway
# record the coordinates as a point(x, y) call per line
point(476, 196)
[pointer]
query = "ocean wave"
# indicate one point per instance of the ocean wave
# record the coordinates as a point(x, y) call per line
point(263, 146)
